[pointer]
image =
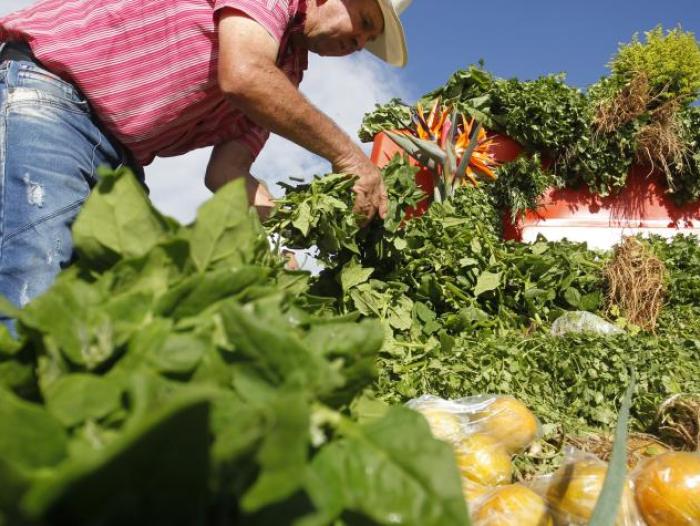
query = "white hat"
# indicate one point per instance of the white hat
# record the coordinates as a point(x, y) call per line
point(390, 46)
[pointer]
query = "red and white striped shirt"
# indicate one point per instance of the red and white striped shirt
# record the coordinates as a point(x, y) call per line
point(148, 67)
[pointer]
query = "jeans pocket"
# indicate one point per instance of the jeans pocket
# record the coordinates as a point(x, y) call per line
point(48, 88)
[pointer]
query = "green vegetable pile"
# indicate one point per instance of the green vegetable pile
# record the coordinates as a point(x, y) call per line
point(466, 313)
point(640, 113)
point(178, 375)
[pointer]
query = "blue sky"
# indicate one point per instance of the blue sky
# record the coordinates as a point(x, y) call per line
point(529, 39)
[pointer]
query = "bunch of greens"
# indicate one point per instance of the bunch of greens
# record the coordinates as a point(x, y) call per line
point(467, 313)
point(686, 177)
point(176, 375)
point(319, 214)
point(520, 185)
point(394, 115)
point(572, 383)
point(590, 138)
point(670, 61)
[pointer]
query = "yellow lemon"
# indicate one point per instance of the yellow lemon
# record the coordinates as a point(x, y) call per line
point(668, 490)
point(483, 460)
point(512, 505)
point(510, 422)
point(443, 424)
point(574, 490)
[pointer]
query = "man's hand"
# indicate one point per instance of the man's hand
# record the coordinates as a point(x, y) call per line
point(262, 198)
point(370, 194)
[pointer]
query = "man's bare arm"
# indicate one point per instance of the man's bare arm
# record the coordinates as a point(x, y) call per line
point(230, 161)
point(249, 76)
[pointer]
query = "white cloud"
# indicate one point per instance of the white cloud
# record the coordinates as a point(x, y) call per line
point(13, 5)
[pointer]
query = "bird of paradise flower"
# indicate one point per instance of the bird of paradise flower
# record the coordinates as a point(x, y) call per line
point(454, 147)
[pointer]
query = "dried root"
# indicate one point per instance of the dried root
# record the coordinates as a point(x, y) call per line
point(679, 421)
point(632, 102)
point(660, 143)
point(636, 283)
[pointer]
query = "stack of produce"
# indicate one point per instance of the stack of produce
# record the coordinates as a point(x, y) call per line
point(485, 432)
point(466, 313)
point(641, 113)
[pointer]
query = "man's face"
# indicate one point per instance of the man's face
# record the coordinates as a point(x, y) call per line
point(342, 27)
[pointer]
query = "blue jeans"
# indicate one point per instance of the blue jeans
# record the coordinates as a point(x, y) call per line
point(50, 147)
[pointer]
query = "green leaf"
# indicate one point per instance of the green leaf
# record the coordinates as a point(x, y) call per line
point(354, 348)
point(354, 274)
point(117, 221)
point(155, 473)
point(29, 436)
point(572, 297)
point(198, 292)
point(283, 455)
point(388, 471)
point(14, 482)
point(606, 509)
point(226, 232)
point(8, 309)
point(302, 219)
point(278, 354)
point(75, 398)
point(179, 353)
point(487, 282)
point(84, 321)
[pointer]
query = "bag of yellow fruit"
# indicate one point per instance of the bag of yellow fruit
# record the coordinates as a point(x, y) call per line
point(667, 489)
point(511, 505)
point(504, 418)
point(572, 491)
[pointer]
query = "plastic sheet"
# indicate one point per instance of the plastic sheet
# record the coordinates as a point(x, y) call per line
point(583, 322)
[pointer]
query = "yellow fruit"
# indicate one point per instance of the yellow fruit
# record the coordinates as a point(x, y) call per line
point(473, 491)
point(444, 425)
point(574, 490)
point(668, 490)
point(512, 505)
point(483, 460)
point(510, 422)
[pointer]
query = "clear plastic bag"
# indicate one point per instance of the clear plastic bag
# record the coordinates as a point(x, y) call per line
point(572, 492)
point(667, 489)
point(511, 505)
point(504, 418)
point(485, 432)
point(583, 322)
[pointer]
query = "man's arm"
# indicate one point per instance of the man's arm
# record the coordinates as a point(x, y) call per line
point(232, 160)
point(248, 75)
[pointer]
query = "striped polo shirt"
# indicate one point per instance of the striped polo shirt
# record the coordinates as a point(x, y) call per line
point(149, 67)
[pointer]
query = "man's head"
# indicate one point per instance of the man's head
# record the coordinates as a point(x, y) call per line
point(340, 27)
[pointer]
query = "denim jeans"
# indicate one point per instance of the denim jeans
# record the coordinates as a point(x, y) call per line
point(50, 147)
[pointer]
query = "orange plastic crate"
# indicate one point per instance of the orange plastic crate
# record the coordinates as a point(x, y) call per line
point(643, 206)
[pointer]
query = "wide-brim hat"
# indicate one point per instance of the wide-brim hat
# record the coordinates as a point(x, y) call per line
point(390, 46)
